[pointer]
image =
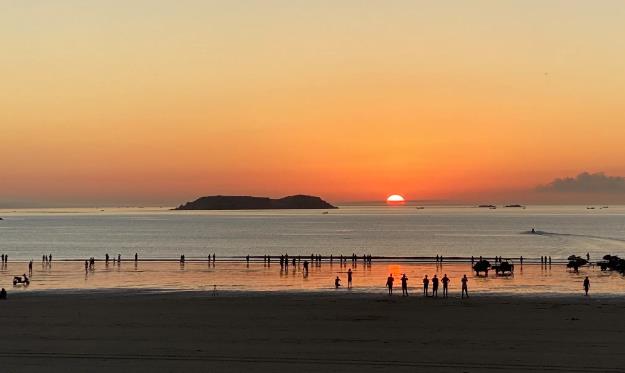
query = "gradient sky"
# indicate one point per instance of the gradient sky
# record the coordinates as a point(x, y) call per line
point(158, 102)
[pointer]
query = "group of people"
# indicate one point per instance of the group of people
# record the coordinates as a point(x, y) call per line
point(426, 285)
point(5, 258)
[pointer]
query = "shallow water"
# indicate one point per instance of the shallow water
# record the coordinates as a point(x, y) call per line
point(229, 276)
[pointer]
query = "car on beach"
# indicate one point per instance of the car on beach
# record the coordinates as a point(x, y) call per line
point(504, 267)
point(482, 266)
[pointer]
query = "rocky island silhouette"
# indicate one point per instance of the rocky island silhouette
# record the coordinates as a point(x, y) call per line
point(256, 203)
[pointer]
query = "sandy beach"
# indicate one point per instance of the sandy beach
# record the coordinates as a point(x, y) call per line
point(142, 331)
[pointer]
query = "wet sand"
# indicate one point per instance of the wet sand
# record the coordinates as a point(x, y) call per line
point(194, 331)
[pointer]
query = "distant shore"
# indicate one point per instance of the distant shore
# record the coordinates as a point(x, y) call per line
point(193, 331)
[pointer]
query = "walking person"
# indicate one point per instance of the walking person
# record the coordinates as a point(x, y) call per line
point(389, 283)
point(435, 286)
point(426, 283)
point(349, 278)
point(465, 288)
point(586, 285)
point(445, 281)
point(404, 285)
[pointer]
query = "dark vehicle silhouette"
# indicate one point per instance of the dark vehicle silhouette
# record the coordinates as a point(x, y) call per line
point(613, 263)
point(505, 268)
point(575, 262)
point(482, 266)
point(21, 280)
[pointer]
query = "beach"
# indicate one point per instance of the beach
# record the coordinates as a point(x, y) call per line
point(156, 331)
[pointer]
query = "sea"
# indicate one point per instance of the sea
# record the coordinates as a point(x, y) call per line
point(159, 236)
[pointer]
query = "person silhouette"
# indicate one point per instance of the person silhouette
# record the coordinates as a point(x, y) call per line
point(30, 267)
point(588, 257)
point(435, 286)
point(3, 294)
point(465, 288)
point(136, 257)
point(349, 278)
point(337, 282)
point(426, 283)
point(586, 285)
point(404, 285)
point(445, 281)
point(389, 283)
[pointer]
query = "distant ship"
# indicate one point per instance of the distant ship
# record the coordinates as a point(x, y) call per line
point(487, 206)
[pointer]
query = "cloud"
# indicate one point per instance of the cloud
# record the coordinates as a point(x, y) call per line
point(586, 183)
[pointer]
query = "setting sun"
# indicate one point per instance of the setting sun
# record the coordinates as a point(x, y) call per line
point(395, 199)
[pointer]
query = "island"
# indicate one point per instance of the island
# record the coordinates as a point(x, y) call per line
point(256, 203)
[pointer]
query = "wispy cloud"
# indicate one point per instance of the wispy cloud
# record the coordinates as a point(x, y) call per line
point(586, 183)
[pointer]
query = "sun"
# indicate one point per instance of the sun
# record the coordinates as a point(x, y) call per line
point(395, 199)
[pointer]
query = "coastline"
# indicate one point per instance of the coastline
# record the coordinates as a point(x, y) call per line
point(193, 331)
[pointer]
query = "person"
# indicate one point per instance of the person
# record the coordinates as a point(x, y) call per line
point(305, 266)
point(136, 257)
point(521, 260)
point(30, 267)
point(588, 257)
point(533, 230)
point(86, 266)
point(465, 289)
point(426, 283)
point(106, 258)
point(119, 258)
point(445, 281)
point(435, 286)
point(389, 284)
point(404, 285)
point(3, 294)
point(586, 285)
point(337, 282)
point(349, 278)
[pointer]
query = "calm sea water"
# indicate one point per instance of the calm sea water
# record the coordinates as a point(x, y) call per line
point(380, 230)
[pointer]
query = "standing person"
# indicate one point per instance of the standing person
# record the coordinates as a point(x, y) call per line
point(426, 283)
point(586, 285)
point(30, 268)
point(435, 286)
point(404, 285)
point(588, 257)
point(106, 258)
point(465, 288)
point(86, 266)
point(337, 282)
point(136, 257)
point(349, 278)
point(445, 281)
point(389, 283)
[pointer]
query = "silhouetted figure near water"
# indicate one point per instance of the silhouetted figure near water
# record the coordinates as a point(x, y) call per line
point(389, 284)
point(136, 257)
point(106, 258)
point(50, 258)
point(3, 294)
point(472, 260)
point(86, 266)
point(181, 259)
point(213, 258)
point(521, 260)
point(426, 284)
point(465, 287)
point(404, 285)
point(337, 282)
point(550, 261)
point(247, 259)
point(435, 286)
point(119, 259)
point(533, 230)
point(588, 257)
point(586, 285)
point(445, 281)
point(349, 278)
point(30, 267)
point(436, 258)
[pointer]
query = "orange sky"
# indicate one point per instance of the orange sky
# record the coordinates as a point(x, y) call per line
point(158, 102)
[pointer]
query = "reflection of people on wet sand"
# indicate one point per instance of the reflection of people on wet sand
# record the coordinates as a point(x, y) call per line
point(404, 285)
point(586, 285)
point(465, 289)
point(337, 282)
point(389, 284)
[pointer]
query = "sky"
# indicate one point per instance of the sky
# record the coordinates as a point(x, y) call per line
point(159, 102)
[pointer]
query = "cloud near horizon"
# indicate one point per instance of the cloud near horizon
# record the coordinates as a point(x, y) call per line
point(586, 182)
